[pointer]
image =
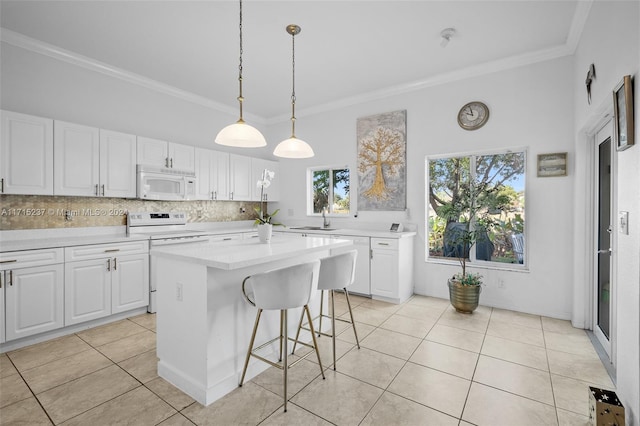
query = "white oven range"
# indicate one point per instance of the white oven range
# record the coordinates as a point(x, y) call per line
point(162, 228)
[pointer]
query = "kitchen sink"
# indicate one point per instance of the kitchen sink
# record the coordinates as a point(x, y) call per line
point(313, 228)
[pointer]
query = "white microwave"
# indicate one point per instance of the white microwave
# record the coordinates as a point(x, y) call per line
point(157, 183)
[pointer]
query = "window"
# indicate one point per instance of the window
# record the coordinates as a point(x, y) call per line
point(498, 182)
point(329, 188)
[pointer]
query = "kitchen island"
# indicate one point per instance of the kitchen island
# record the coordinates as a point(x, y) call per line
point(203, 322)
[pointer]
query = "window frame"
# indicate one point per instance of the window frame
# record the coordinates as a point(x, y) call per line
point(330, 169)
point(473, 262)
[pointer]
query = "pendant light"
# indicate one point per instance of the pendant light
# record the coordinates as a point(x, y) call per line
point(293, 147)
point(240, 134)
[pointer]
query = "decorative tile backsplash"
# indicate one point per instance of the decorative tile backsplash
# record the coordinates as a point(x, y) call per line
point(39, 212)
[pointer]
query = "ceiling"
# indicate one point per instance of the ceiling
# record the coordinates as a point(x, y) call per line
point(347, 50)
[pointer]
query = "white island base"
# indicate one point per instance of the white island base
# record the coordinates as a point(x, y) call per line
point(204, 324)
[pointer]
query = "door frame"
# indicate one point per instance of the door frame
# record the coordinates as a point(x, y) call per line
point(613, 241)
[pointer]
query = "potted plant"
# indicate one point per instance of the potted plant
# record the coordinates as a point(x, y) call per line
point(469, 224)
point(264, 221)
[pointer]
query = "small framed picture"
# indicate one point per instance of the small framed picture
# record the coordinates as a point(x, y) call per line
point(550, 165)
point(623, 113)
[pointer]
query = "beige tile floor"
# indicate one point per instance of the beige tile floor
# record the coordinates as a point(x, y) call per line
point(420, 363)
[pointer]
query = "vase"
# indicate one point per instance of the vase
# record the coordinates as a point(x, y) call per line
point(464, 298)
point(264, 232)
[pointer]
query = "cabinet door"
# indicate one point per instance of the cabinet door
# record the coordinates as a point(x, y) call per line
point(26, 154)
point(129, 283)
point(87, 290)
point(152, 152)
point(181, 157)
point(34, 300)
point(240, 177)
point(258, 165)
point(2, 317)
point(76, 160)
point(220, 183)
point(117, 164)
point(205, 169)
point(384, 273)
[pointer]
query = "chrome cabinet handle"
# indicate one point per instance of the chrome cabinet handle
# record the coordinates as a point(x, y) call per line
point(9, 261)
point(111, 250)
point(226, 239)
point(11, 278)
point(212, 195)
point(108, 264)
point(172, 163)
point(103, 190)
point(115, 264)
point(97, 189)
point(1, 278)
point(166, 162)
point(215, 195)
point(231, 195)
point(2, 185)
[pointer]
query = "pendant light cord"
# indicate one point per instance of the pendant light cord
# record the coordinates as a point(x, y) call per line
point(293, 85)
point(240, 98)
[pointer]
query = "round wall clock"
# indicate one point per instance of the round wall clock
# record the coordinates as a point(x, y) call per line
point(473, 115)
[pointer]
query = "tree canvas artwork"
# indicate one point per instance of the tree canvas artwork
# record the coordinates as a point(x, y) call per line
point(382, 172)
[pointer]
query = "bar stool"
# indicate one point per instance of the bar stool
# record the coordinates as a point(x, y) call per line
point(282, 289)
point(336, 272)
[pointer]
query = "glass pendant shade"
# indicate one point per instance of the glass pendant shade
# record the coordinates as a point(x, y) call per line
point(293, 148)
point(241, 135)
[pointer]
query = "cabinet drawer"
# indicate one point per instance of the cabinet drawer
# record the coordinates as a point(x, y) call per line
point(28, 258)
point(224, 237)
point(97, 251)
point(384, 243)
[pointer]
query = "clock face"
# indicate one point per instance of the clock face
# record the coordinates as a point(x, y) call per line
point(473, 115)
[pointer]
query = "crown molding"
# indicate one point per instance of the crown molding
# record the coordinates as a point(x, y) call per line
point(33, 45)
point(444, 78)
point(577, 24)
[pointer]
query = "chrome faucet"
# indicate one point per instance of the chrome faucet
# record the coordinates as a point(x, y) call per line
point(325, 222)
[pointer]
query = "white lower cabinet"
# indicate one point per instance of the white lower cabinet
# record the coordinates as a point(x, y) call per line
point(129, 282)
point(361, 284)
point(392, 269)
point(87, 291)
point(32, 283)
point(105, 279)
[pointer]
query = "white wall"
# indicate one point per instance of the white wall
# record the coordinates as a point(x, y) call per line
point(611, 41)
point(530, 107)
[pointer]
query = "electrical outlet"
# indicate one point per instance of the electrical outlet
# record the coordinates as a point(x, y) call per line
point(243, 210)
point(500, 283)
point(179, 292)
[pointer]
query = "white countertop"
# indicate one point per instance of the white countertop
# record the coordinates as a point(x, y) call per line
point(42, 243)
point(244, 253)
point(347, 232)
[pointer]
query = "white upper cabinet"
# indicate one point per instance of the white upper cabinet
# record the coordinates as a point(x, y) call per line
point(152, 152)
point(271, 193)
point(182, 157)
point(76, 163)
point(240, 187)
point(26, 154)
point(159, 153)
point(212, 173)
point(220, 175)
point(117, 164)
point(93, 163)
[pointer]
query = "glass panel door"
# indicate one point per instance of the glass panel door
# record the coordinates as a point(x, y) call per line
point(603, 282)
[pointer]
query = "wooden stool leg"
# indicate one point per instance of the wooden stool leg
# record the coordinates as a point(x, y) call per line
point(298, 332)
point(333, 327)
point(285, 363)
point(253, 338)
point(321, 311)
point(313, 335)
point(353, 323)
